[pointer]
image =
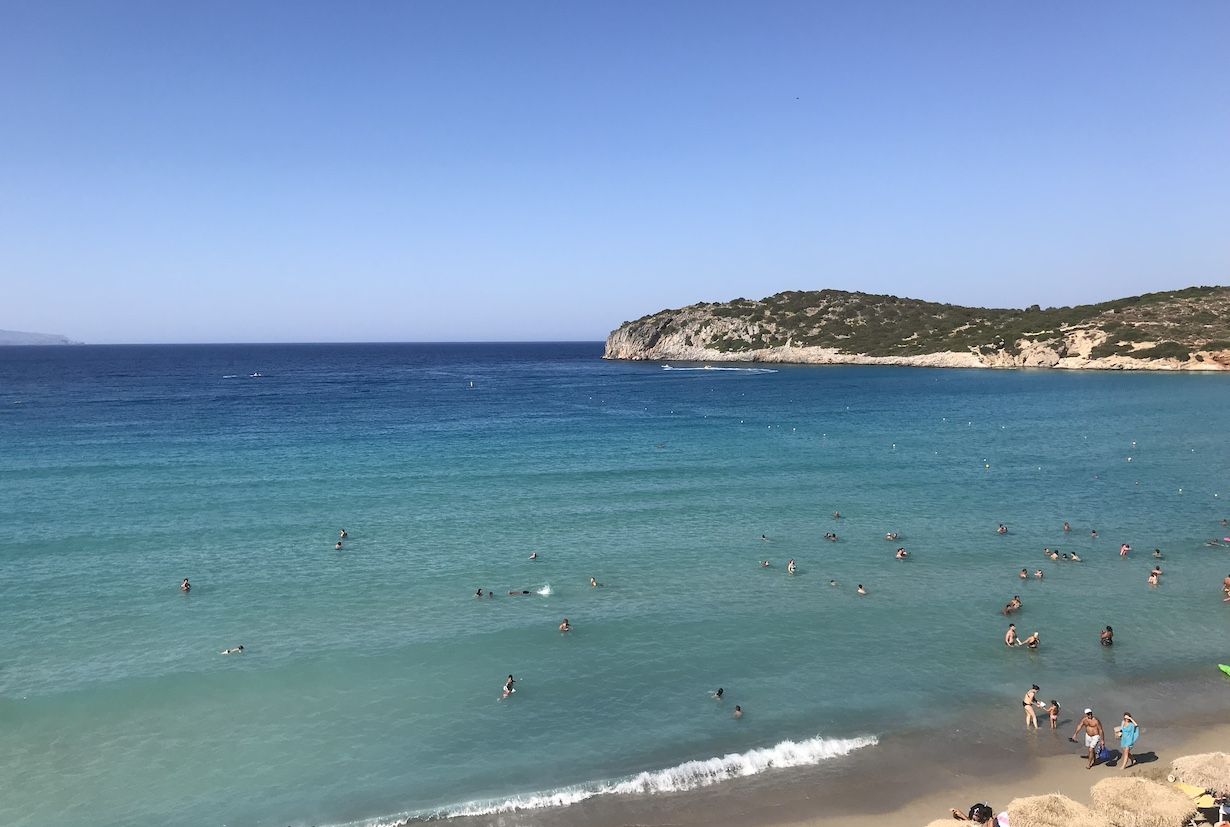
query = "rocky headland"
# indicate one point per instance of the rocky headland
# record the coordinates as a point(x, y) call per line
point(1175, 330)
point(17, 337)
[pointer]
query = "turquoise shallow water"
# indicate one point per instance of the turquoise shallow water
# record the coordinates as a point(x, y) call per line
point(371, 682)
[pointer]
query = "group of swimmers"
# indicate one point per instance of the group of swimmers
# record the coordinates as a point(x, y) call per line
point(792, 568)
point(720, 695)
point(1012, 639)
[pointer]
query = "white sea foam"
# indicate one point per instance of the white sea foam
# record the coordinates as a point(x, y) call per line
point(689, 775)
point(710, 367)
point(545, 591)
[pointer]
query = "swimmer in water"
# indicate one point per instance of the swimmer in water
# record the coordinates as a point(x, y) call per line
point(593, 584)
point(762, 537)
point(902, 554)
point(1074, 557)
point(337, 546)
point(1107, 637)
point(342, 535)
point(837, 516)
point(185, 586)
point(1003, 529)
point(764, 564)
point(565, 626)
point(1066, 527)
point(1024, 575)
point(1124, 550)
point(1153, 579)
point(831, 537)
point(478, 593)
point(834, 583)
point(1225, 587)
point(861, 590)
point(1157, 570)
point(509, 686)
point(1010, 638)
point(1157, 554)
point(1032, 641)
point(738, 712)
point(890, 536)
point(790, 567)
point(533, 555)
point(234, 650)
point(717, 696)
point(1039, 574)
point(1094, 534)
point(1054, 555)
point(1064, 555)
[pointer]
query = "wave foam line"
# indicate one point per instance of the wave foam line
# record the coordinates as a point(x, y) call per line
point(689, 775)
point(740, 370)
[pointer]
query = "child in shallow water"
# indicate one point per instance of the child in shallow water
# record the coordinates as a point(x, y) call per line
point(1052, 712)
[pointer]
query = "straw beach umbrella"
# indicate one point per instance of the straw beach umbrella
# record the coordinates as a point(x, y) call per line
point(1137, 802)
point(1209, 770)
point(1052, 811)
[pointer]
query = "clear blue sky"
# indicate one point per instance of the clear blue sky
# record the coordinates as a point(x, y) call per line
point(472, 171)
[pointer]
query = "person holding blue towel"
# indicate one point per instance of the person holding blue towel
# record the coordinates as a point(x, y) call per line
point(1129, 731)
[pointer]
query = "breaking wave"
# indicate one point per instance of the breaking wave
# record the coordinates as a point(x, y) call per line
point(689, 775)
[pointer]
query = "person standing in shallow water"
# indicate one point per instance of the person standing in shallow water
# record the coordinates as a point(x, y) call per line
point(1107, 637)
point(1028, 703)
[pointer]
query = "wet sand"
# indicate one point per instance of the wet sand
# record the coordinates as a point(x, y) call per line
point(913, 777)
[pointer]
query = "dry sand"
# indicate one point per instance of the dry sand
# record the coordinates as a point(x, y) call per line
point(1064, 774)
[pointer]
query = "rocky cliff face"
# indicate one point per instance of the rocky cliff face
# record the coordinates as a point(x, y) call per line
point(1182, 330)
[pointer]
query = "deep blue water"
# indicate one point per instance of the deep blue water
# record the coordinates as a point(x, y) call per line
point(371, 679)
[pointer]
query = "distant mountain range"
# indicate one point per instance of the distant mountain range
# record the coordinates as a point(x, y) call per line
point(16, 337)
point(1176, 330)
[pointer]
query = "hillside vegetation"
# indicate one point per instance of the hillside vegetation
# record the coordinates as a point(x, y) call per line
point(1180, 326)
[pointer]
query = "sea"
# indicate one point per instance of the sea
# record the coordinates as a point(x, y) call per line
point(369, 689)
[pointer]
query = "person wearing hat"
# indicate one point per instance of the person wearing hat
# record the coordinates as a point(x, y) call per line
point(1094, 735)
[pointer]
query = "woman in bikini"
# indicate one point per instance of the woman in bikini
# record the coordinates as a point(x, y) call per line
point(1031, 698)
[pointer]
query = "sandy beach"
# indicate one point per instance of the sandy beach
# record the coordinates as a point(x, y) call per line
point(914, 777)
point(1064, 774)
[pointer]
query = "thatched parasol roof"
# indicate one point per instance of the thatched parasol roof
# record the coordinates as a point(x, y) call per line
point(1210, 770)
point(1052, 811)
point(1138, 802)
